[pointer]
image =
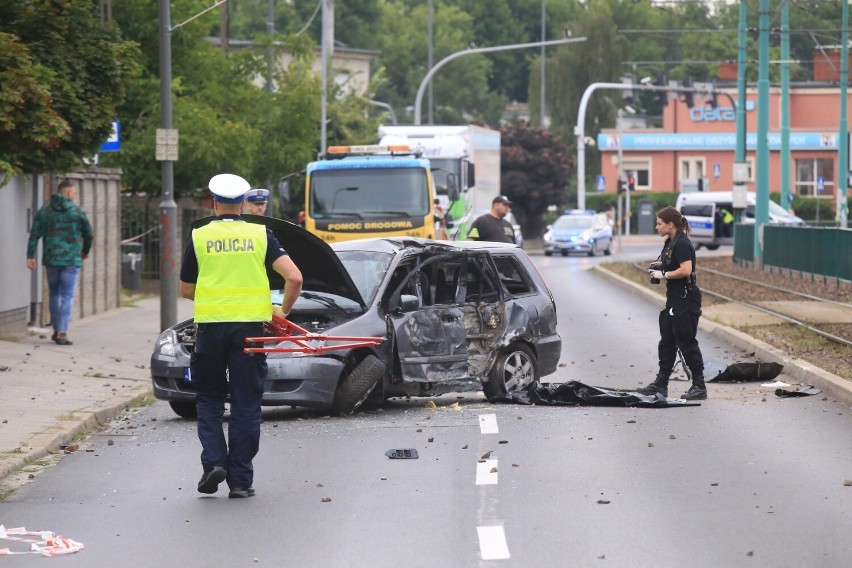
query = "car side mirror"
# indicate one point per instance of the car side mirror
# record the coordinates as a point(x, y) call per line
point(408, 303)
point(452, 187)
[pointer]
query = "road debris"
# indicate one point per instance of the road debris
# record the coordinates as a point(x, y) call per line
point(403, 454)
point(47, 543)
point(806, 390)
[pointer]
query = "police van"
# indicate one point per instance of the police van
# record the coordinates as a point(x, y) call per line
point(710, 216)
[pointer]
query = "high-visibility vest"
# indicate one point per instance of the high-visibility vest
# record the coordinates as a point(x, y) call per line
point(232, 282)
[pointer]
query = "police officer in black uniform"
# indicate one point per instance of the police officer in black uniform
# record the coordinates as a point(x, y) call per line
point(679, 319)
point(224, 272)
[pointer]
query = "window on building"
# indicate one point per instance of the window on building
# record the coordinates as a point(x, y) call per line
point(639, 169)
point(808, 173)
point(691, 168)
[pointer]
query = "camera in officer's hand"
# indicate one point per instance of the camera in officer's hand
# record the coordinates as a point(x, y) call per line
point(652, 267)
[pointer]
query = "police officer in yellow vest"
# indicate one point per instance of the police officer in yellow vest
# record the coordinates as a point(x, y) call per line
point(224, 272)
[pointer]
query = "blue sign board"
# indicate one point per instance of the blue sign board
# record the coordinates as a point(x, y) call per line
point(820, 184)
point(716, 141)
point(113, 143)
point(717, 170)
point(601, 184)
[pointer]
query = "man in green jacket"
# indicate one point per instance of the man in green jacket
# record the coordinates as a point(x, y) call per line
point(68, 237)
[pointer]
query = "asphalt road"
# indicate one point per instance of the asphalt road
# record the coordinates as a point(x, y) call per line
point(745, 479)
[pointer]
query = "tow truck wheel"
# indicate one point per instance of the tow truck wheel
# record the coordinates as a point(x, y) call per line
point(515, 368)
point(354, 388)
point(184, 409)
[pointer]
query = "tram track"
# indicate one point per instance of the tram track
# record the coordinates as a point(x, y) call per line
point(749, 289)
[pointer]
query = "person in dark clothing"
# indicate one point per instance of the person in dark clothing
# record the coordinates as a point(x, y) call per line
point(493, 226)
point(679, 320)
point(224, 272)
point(68, 238)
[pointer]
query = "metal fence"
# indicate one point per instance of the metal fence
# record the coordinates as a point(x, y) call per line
point(140, 232)
point(820, 251)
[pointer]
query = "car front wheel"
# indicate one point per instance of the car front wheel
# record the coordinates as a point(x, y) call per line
point(354, 388)
point(515, 368)
point(184, 409)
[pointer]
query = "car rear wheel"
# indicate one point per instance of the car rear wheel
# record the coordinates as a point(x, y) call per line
point(354, 388)
point(564, 253)
point(515, 368)
point(548, 253)
point(712, 247)
point(184, 409)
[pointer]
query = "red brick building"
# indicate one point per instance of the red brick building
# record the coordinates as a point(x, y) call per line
point(700, 142)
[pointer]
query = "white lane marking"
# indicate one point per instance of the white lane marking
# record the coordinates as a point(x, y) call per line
point(484, 475)
point(492, 543)
point(488, 424)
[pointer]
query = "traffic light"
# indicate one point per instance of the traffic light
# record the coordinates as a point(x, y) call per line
point(621, 187)
point(687, 96)
point(628, 95)
point(662, 96)
point(631, 183)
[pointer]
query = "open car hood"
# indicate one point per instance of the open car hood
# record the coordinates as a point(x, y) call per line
point(321, 270)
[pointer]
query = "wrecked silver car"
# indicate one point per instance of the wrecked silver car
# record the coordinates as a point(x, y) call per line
point(455, 316)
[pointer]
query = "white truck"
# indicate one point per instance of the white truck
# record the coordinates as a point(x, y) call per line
point(470, 153)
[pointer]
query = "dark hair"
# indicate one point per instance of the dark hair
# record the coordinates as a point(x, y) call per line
point(65, 184)
point(672, 215)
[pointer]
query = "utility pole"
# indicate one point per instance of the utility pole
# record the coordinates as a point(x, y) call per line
point(541, 103)
point(327, 54)
point(761, 209)
point(168, 207)
point(167, 154)
point(785, 106)
point(843, 144)
point(429, 57)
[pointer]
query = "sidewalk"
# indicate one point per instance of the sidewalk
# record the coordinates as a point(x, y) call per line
point(50, 393)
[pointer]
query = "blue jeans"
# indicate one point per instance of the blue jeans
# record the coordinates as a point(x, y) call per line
point(61, 281)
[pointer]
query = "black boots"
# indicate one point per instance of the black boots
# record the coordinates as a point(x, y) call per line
point(698, 390)
point(659, 386)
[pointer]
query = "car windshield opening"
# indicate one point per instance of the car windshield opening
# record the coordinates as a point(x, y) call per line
point(367, 270)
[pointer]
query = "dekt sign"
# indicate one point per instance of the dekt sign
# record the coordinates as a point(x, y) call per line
point(718, 114)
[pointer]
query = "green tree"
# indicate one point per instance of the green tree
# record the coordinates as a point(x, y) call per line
point(461, 85)
point(62, 74)
point(535, 166)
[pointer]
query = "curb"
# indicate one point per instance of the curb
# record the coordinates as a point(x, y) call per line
point(84, 422)
point(807, 373)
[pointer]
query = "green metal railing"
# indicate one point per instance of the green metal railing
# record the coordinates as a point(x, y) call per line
point(743, 242)
point(814, 250)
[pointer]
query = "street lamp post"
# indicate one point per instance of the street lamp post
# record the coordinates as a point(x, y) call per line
point(423, 84)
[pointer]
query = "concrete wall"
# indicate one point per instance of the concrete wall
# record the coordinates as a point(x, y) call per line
point(24, 294)
point(16, 214)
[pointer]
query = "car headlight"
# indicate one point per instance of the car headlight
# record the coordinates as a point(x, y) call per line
point(167, 343)
point(548, 237)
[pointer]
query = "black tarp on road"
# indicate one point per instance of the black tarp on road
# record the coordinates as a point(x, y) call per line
point(575, 393)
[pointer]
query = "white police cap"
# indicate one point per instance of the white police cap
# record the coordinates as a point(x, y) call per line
point(228, 188)
point(257, 195)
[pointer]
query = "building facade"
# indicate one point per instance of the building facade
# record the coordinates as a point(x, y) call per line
point(696, 146)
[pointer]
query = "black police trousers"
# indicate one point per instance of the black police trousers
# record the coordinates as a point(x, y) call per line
point(220, 369)
point(679, 331)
